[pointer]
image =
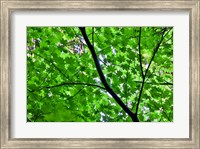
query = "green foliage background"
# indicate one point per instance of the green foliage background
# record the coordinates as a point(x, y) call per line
point(64, 86)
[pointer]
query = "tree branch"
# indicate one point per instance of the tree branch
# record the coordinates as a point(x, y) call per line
point(155, 105)
point(93, 36)
point(74, 94)
point(143, 81)
point(140, 55)
point(53, 65)
point(152, 83)
point(103, 80)
point(69, 83)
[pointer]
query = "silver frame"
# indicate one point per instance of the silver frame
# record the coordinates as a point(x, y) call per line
point(7, 7)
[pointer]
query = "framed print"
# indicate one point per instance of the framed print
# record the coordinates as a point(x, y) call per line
point(100, 74)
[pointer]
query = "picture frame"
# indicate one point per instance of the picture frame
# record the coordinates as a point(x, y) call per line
point(8, 7)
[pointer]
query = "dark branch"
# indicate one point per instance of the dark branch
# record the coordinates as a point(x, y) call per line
point(143, 81)
point(140, 55)
point(93, 36)
point(152, 83)
point(155, 50)
point(103, 80)
point(69, 83)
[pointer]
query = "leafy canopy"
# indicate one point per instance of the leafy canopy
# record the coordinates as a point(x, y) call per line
point(63, 84)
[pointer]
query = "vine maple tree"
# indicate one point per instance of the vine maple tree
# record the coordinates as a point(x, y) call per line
point(99, 74)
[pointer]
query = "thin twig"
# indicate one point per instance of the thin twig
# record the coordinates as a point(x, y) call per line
point(68, 83)
point(53, 65)
point(153, 83)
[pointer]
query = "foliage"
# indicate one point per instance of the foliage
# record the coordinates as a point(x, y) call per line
point(63, 84)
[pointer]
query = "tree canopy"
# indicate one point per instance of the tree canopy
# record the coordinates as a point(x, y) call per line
point(99, 74)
